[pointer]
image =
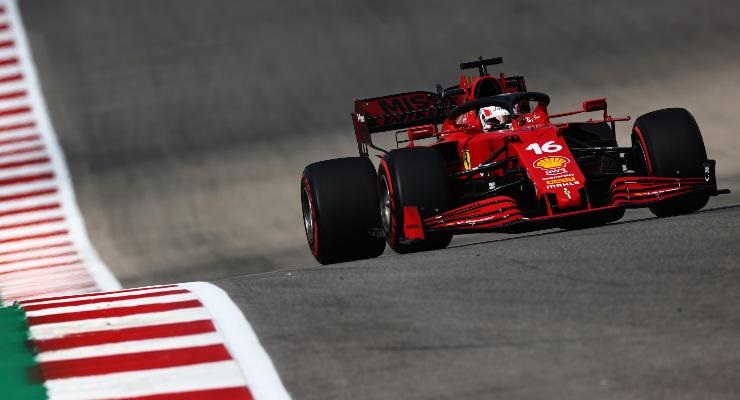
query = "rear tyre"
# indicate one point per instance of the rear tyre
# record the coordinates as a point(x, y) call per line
point(668, 143)
point(339, 200)
point(412, 177)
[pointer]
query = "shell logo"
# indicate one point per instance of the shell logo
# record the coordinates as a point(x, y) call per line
point(551, 162)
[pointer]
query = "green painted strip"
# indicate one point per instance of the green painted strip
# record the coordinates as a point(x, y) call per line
point(19, 374)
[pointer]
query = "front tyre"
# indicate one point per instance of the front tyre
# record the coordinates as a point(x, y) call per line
point(668, 143)
point(412, 177)
point(339, 203)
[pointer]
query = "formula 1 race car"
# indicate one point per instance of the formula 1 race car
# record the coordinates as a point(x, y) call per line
point(454, 172)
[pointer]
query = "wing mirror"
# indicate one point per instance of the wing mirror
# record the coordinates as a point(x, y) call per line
point(594, 105)
point(422, 132)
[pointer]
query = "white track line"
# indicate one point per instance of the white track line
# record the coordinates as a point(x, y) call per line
point(17, 133)
point(7, 52)
point(252, 363)
point(5, 36)
point(241, 341)
point(78, 233)
point(23, 266)
point(22, 152)
point(12, 87)
point(103, 296)
point(32, 230)
point(26, 188)
point(130, 347)
point(25, 217)
point(25, 156)
point(115, 304)
point(16, 119)
point(223, 374)
point(35, 291)
point(15, 102)
point(11, 286)
point(30, 243)
point(39, 253)
point(26, 171)
point(60, 329)
point(28, 202)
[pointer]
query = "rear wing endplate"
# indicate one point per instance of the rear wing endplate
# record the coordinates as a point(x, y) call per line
point(397, 111)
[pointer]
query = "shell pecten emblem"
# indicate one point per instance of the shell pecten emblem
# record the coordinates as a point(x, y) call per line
point(551, 162)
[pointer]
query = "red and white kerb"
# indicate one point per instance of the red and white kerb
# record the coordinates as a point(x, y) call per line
point(44, 249)
point(158, 342)
point(175, 342)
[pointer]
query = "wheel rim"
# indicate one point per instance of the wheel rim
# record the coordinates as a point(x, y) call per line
point(308, 222)
point(385, 205)
point(644, 161)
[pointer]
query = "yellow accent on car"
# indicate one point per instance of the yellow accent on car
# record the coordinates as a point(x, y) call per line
point(466, 159)
point(551, 162)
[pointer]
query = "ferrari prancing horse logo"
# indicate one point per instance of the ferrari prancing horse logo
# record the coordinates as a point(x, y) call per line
point(466, 159)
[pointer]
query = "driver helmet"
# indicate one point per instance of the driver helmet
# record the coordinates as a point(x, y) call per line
point(494, 118)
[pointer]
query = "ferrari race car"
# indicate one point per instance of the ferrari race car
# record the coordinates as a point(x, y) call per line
point(452, 172)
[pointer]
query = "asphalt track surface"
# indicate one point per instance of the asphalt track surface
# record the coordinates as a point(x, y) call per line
point(647, 308)
point(186, 125)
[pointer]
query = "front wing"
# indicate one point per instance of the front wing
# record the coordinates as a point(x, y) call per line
point(502, 213)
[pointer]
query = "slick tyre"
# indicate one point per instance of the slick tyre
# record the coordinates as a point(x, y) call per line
point(412, 177)
point(668, 143)
point(339, 201)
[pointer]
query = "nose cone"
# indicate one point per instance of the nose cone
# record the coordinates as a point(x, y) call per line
point(567, 198)
point(566, 189)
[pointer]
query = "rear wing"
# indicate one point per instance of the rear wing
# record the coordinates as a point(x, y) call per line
point(397, 111)
point(415, 109)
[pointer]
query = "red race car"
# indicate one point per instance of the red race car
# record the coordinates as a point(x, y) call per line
point(485, 155)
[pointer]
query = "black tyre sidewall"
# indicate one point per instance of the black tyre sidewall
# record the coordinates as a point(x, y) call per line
point(671, 144)
point(415, 177)
point(344, 196)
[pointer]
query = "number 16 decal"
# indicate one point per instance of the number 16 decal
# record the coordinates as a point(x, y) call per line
point(548, 147)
